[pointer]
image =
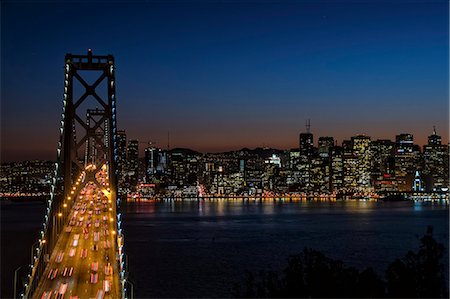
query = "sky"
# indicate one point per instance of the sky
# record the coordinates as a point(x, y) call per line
point(226, 75)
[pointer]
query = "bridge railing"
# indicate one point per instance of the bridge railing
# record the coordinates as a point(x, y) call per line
point(53, 224)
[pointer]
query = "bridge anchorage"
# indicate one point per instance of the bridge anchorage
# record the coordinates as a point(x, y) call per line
point(79, 253)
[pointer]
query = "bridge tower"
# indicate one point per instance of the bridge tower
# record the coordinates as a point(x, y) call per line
point(87, 137)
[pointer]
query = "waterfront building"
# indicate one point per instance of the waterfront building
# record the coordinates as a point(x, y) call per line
point(184, 167)
point(418, 183)
point(26, 177)
point(407, 160)
point(350, 166)
point(121, 159)
point(336, 169)
point(319, 174)
point(362, 154)
point(436, 160)
point(133, 163)
point(151, 162)
point(382, 156)
point(325, 143)
point(306, 141)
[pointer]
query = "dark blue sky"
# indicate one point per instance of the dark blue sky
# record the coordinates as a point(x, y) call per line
point(222, 76)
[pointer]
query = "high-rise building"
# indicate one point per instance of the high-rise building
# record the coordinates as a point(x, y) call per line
point(361, 151)
point(151, 162)
point(404, 140)
point(133, 155)
point(325, 143)
point(382, 159)
point(133, 162)
point(319, 174)
point(434, 139)
point(306, 142)
point(350, 166)
point(121, 157)
point(383, 165)
point(336, 169)
point(294, 176)
point(407, 158)
point(162, 162)
point(436, 160)
point(184, 167)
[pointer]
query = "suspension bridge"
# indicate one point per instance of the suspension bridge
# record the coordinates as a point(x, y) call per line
point(80, 253)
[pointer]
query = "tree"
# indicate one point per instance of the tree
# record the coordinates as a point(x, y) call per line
point(311, 274)
point(419, 274)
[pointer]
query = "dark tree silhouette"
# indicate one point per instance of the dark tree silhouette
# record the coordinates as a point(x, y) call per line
point(311, 274)
point(419, 274)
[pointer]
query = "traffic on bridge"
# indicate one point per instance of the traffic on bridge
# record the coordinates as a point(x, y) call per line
point(84, 262)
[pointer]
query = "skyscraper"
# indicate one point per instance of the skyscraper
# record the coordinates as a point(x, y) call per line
point(133, 161)
point(306, 142)
point(151, 162)
point(325, 143)
point(436, 159)
point(383, 165)
point(350, 166)
point(407, 157)
point(382, 151)
point(361, 151)
point(336, 168)
point(434, 139)
point(121, 160)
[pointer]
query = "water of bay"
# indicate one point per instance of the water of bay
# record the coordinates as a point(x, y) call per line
point(200, 249)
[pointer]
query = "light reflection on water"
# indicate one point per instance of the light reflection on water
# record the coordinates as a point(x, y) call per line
point(222, 207)
point(175, 247)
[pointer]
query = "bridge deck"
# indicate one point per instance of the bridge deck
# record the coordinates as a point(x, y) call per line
point(85, 248)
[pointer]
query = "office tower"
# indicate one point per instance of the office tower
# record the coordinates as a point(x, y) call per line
point(162, 162)
point(184, 167)
point(382, 160)
point(436, 160)
point(350, 166)
point(242, 165)
point(361, 151)
point(133, 162)
point(306, 142)
point(319, 174)
point(271, 171)
point(121, 157)
point(434, 139)
point(151, 162)
point(383, 165)
point(325, 143)
point(293, 177)
point(407, 158)
point(274, 159)
point(336, 169)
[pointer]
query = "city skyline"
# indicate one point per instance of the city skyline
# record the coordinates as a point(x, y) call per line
point(206, 72)
point(167, 146)
point(144, 140)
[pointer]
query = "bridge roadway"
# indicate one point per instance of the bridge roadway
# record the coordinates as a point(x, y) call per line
point(84, 258)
